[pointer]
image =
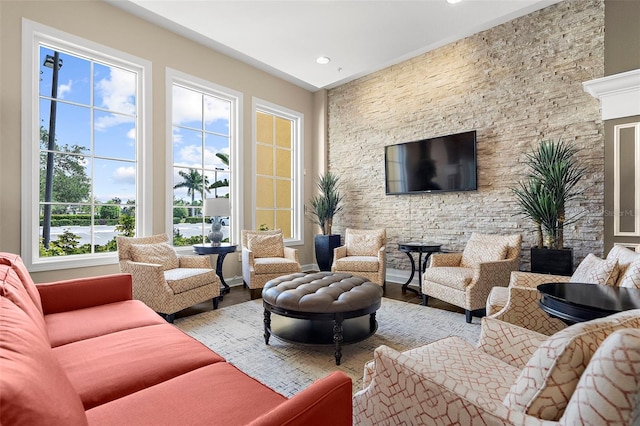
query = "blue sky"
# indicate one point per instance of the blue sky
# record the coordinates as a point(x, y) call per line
point(113, 90)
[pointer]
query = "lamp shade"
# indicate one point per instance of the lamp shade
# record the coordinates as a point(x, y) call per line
point(217, 207)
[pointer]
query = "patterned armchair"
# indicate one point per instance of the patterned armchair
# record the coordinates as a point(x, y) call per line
point(163, 280)
point(466, 279)
point(265, 257)
point(362, 254)
point(513, 376)
point(518, 303)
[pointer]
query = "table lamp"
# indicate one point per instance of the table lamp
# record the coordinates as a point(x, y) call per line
point(216, 208)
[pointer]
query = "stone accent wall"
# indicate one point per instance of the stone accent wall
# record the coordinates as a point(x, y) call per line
point(516, 84)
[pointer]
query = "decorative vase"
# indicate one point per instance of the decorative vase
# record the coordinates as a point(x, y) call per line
point(324, 245)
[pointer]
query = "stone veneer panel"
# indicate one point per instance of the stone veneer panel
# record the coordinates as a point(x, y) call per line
point(516, 84)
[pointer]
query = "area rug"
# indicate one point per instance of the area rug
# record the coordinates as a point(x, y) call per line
point(236, 333)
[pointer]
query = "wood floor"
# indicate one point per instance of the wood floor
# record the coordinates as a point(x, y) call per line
point(239, 294)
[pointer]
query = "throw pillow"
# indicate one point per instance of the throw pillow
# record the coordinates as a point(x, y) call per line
point(363, 242)
point(477, 251)
point(161, 254)
point(267, 245)
point(550, 377)
point(594, 270)
point(631, 277)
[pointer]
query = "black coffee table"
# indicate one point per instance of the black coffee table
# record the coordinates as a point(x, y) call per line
point(578, 302)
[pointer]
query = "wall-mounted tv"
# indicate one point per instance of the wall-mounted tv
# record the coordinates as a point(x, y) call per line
point(442, 164)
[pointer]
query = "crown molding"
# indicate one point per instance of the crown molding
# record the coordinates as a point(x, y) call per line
point(619, 94)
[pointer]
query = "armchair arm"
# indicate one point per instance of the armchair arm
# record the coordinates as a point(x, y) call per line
point(382, 253)
point(149, 284)
point(522, 309)
point(532, 279)
point(291, 254)
point(69, 295)
point(339, 252)
point(486, 276)
point(326, 402)
point(426, 396)
point(193, 261)
point(445, 259)
point(508, 342)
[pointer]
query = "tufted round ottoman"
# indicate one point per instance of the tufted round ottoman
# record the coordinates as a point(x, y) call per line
point(321, 308)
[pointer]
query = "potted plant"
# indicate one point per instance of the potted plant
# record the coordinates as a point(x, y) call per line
point(550, 185)
point(322, 209)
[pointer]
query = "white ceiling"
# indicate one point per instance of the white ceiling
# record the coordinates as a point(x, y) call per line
point(285, 37)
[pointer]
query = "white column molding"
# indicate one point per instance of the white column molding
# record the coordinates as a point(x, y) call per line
point(619, 94)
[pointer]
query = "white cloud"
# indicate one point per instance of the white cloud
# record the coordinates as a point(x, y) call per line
point(118, 94)
point(64, 89)
point(187, 107)
point(131, 134)
point(125, 175)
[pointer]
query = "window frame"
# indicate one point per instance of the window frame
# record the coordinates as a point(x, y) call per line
point(33, 35)
point(297, 172)
point(173, 76)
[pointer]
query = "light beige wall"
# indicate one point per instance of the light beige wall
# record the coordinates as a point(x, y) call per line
point(102, 23)
point(516, 84)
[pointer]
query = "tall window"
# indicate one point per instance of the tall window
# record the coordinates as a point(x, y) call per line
point(85, 136)
point(203, 145)
point(277, 153)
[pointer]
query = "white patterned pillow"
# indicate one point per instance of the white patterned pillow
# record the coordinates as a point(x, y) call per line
point(362, 242)
point(478, 251)
point(160, 254)
point(593, 270)
point(550, 377)
point(266, 245)
point(631, 277)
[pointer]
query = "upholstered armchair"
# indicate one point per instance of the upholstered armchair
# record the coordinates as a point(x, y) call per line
point(466, 279)
point(265, 257)
point(362, 254)
point(518, 303)
point(162, 279)
point(588, 373)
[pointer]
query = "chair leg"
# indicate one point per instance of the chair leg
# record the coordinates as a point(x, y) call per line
point(215, 302)
point(425, 299)
point(255, 293)
point(168, 317)
point(467, 314)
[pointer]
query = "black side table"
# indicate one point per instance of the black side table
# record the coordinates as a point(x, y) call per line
point(420, 248)
point(222, 250)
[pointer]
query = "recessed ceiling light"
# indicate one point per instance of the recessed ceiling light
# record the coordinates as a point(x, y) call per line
point(323, 60)
point(453, 1)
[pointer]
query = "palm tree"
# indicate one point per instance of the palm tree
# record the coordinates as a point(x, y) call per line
point(193, 181)
point(224, 182)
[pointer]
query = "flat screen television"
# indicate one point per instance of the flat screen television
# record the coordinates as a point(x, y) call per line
point(442, 164)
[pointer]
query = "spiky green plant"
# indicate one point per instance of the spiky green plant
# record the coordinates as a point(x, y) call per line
point(327, 203)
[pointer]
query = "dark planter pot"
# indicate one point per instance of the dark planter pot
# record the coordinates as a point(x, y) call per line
point(552, 261)
point(324, 250)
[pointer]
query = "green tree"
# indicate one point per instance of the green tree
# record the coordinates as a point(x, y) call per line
point(224, 183)
point(70, 181)
point(194, 182)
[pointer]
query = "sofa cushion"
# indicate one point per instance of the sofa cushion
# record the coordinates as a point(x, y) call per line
point(275, 265)
point(80, 324)
point(219, 394)
point(18, 266)
point(185, 279)
point(454, 277)
point(478, 251)
point(363, 242)
point(160, 254)
point(12, 287)
point(624, 256)
point(266, 245)
point(594, 270)
point(550, 377)
point(34, 389)
point(108, 367)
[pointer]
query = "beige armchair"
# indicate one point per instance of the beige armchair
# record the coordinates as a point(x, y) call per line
point(163, 280)
point(362, 254)
point(466, 279)
point(265, 257)
point(588, 373)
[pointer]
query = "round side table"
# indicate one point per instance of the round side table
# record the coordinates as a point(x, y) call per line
point(417, 247)
point(222, 250)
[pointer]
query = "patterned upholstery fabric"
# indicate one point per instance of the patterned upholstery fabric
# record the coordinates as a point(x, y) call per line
point(478, 251)
point(552, 374)
point(450, 382)
point(259, 263)
point(162, 254)
point(456, 288)
point(167, 291)
point(614, 371)
point(624, 256)
point(363, 254)
point(631, 277)
point(594, 270)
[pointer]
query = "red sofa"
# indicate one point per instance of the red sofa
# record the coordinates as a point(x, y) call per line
point(82, 352)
